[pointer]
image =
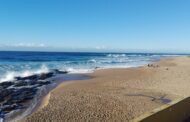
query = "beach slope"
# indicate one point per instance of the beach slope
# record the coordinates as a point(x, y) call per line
point(117, 94)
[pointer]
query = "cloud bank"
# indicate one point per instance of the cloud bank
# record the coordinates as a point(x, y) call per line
point(29, 45)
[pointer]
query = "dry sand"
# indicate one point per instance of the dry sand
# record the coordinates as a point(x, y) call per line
point(117, 94)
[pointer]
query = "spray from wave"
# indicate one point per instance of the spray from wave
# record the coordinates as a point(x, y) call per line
point(10, 75)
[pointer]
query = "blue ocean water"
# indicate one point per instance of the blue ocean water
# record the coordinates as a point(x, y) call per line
point(27, 63)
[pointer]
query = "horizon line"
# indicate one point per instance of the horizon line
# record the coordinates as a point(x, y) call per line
point(130, 52)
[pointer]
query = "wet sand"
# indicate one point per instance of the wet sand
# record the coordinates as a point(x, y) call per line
point(117, 94)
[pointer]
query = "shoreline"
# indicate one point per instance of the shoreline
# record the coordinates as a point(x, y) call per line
point(45, 99)
point(45, 93)
point(97, 75)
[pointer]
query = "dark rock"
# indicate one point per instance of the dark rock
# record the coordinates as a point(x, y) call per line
point(46, 75)
point(6, 92)
point(25, 83)
point(2, 114)
point(21, 83)
point(22, 95)
point(8, 108)
point(1, 99)
point(16, 95)
point(41, 83)
point(32, 83)
point(60, 72)
point(32, 77)
point(23, 91)
point(4, 85)
point(42, 76)
point(20, 99)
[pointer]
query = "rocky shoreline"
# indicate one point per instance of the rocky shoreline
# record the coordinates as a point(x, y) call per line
point(17, 95)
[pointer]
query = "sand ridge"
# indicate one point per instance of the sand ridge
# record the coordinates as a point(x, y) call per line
point(117, 94)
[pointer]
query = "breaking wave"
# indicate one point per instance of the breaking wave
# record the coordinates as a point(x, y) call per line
point(10, 75)
point(116, 55)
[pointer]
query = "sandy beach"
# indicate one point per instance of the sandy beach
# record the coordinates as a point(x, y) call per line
point(117, 94)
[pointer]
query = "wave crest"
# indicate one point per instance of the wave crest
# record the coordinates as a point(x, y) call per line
point(116, 55)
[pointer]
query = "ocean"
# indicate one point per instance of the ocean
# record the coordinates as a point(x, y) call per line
point(14, 64)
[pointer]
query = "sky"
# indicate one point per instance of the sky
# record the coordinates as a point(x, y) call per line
point(95, 25)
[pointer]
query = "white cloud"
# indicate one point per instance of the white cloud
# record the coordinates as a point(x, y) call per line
point(31, 45)
point(100, 47)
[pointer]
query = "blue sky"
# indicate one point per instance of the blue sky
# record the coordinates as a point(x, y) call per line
point(95, 25)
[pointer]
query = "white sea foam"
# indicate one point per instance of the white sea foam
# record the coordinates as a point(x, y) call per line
point(92, 61)
point(77, 70)
point(10, 75)
point(43, 69)
point(1, 119)
point(116, 55)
